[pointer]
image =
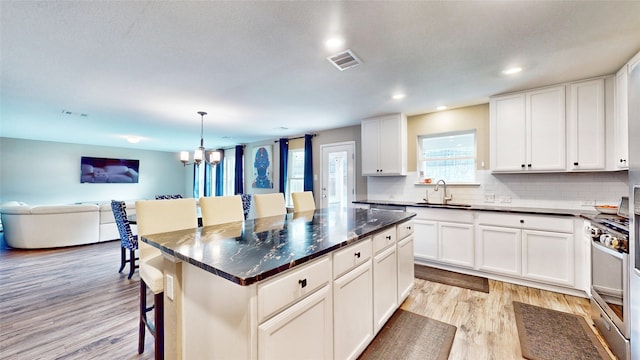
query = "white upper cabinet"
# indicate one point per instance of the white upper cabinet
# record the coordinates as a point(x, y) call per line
point(384, 145)
point(621, 120)
point(528, 131)
point(586, 126)
point(621, 117)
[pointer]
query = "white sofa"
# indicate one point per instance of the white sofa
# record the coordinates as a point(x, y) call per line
point(48, 226)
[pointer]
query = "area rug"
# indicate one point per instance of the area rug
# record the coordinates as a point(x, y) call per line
point(411, 336)
point(470, 282)
point(550, 334)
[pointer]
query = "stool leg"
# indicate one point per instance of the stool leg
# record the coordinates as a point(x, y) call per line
point(158, 314)
point(143, 310)
point(132, 263)
point(122, 258)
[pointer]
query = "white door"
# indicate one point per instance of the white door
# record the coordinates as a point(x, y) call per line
point(338, 174)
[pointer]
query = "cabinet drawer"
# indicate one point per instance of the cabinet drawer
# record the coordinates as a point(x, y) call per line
point(384, 239)
point(350, 257)
point(525, 221)
point(405, 229)
point(274, 295)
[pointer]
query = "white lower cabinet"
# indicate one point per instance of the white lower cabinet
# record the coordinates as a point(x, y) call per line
point(425, 244)
point(353, 312)
point(548, 257)
point(532, 247)
point(437, 238)
point(303, 331)
point(405, 268)
point(385, 287)
point(456, 244)
point(499, 250)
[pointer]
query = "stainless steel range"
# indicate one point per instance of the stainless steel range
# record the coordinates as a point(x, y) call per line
point(610, 278)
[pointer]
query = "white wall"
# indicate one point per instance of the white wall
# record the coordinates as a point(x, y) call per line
point(555, 190)
point(43, 172)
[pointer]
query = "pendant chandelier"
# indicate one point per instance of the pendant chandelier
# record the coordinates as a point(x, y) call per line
point(211, 157)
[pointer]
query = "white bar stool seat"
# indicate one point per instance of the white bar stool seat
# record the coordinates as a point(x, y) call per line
point(303, 201)
point(269, 204)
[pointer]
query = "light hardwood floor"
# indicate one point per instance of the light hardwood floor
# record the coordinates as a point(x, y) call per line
point(72, 304)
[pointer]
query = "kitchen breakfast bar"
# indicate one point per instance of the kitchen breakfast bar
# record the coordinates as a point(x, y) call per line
point(314, 285)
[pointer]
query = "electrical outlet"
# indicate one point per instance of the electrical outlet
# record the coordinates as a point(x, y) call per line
point(588, 203)
point(169, 286)
point(505, 199)
point(489, 198)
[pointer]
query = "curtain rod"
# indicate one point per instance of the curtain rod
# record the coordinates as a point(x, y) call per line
point(299, 137)
point(228, 148)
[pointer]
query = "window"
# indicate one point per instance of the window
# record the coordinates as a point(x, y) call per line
point(229, 172)
point(448, 156)
point(295, 173)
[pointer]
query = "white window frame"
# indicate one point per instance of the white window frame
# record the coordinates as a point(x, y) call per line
point(422, 161)
point(229, 172)
point(289, 187)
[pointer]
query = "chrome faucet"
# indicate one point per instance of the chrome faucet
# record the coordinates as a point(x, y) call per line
point(445, 198)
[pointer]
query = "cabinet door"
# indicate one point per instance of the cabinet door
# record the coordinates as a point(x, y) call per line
point(586, 124)
point(499, 249)
point(425, 234)
point(405, 268)
point(353, 313)
point(370, 144)
point(508, 131)
point(303, 331)
point(385, 287)
point(548, 257)
point(546, 136)
point(621, 119)
point(390, 148)
point(456, 244)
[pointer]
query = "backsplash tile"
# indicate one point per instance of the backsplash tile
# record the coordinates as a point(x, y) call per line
point(549, 190)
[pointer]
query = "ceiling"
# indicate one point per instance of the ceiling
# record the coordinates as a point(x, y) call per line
point(96, 72)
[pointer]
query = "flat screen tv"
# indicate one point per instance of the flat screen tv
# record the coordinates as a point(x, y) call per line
point(104, 170)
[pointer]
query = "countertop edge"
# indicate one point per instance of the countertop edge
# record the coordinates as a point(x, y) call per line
point(477, 207)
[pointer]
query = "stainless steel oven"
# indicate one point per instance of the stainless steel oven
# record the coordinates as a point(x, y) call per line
point(610, 279)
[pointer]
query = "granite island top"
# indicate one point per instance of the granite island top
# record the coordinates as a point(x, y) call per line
point(481, 207)
point(246, 252)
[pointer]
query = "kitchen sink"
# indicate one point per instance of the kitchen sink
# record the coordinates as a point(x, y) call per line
point(449, 205)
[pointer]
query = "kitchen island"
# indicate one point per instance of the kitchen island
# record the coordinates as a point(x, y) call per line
point(272, 287)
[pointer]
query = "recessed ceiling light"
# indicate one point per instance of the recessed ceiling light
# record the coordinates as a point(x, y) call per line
point(441, 107)
point(398, 96)
point(133, 139)
point(334, 42)
point(511, 71)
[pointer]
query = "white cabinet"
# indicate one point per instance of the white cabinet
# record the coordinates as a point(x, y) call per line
point(309, 322)
point(586, 125)
point(352, 300)
point(444, 236)
point(353, 326)
point(527, 131)
point(534, 247)
point(384, 145)
point(548, 257)
point(385, 286)
point(405, 260)
point(425, 243)
point(621, 117)
point(456, 243)
point(499, 250)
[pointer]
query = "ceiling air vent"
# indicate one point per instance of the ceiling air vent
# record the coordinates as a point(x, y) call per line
point(344, 60)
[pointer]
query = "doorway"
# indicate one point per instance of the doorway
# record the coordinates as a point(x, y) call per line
point(338, 187)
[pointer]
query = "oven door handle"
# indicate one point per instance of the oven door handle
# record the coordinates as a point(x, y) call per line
point(607, 250)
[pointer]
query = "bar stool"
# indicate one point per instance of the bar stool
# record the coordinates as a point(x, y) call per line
point(128, 241)
point(269, 204)
point(303, 201)
point(221, 209)
point(156, 216)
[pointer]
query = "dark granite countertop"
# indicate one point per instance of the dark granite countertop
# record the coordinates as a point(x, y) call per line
point(253, 250)
point(480, 207)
